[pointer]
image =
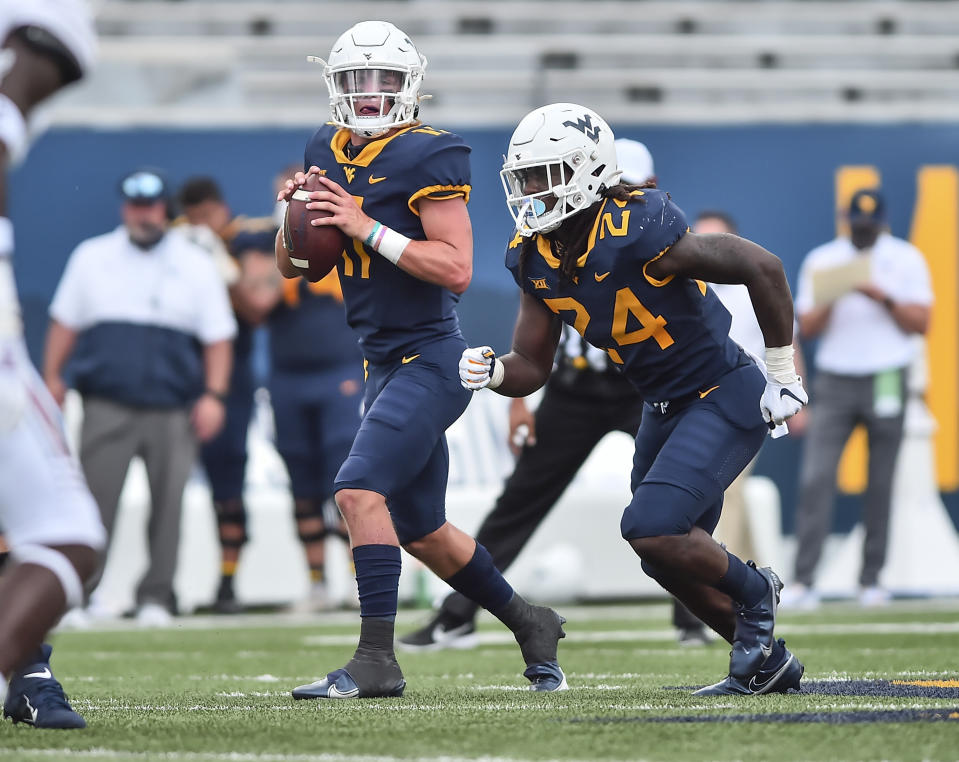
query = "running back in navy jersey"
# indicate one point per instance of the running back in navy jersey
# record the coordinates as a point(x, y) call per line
point(669, 337)
point(392, 311)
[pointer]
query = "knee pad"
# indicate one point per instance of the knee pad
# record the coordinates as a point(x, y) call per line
point(306, 509)
point(54, 561)
point(231, 513)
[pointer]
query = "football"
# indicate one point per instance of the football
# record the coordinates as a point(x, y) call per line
point(314, 250)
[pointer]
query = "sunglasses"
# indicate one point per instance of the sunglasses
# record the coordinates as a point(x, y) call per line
point(143, 186)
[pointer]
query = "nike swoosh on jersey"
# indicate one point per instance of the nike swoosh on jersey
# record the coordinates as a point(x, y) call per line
point(600, 278)
point(375, 180)
point(42, 674)
point(409, 359)
point(702, 395)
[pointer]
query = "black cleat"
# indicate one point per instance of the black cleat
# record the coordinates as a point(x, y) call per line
point(782, 678)
point(546, 677)
point(753, 641)
point(36, 698)
point(439, 633)
point(360, 678)
point(538, 642)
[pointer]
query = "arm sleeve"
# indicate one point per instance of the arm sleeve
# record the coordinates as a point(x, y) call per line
point(803, 300)
point(444, 172)
point(216, 315)
point(916, 285)
point(69, 306)
point(659, 224)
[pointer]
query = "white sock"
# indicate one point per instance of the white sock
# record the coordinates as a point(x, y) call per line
point(3, 689)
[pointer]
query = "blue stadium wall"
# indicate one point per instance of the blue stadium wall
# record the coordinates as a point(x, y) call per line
point(777, 181)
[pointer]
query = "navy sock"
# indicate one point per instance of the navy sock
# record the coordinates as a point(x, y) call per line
point(378, 578)
point(741, 583)
point(480, 581)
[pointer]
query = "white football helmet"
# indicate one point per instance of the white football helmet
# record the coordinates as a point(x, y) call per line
point(374, 75)
point(560, 159)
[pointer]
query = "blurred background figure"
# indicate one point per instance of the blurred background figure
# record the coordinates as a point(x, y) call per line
point(864, 296)
point(316, 384)
point(146, 320)
point(208, 221)
point(734, 528)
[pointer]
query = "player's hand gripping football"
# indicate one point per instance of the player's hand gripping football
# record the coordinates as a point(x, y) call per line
point(477, 367)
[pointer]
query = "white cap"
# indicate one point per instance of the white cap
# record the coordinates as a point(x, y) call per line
point(635, 161)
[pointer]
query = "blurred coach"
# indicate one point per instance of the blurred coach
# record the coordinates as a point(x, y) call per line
point(147, 321)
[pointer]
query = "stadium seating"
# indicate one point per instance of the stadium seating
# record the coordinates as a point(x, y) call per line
point(243, 62)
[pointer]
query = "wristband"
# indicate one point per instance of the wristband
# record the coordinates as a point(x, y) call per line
point(779, 365)
point(221, 396)
point(372, 236)
point(390, 244)
point(496, 373)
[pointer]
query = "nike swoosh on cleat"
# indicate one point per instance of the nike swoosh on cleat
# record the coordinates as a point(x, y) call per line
point(756, 687)
point(599, 277)
point(375, 180)
point(336, 693)
point(33, 712)
point(409, 359)
point(702, 395)
point(42, 674)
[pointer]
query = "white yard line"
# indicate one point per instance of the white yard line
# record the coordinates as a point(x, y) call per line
point(625, 636)
point(186, 756)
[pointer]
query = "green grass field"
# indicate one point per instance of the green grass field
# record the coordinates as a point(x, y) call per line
point(218, 689)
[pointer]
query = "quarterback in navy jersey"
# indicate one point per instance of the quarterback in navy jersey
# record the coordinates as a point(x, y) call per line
point(398, 190)
point(618, 263)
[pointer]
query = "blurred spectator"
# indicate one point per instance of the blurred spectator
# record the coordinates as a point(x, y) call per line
point(316, 388)
point(208, 221)
point(734, 529)
point(864, 297)
point(147, 321)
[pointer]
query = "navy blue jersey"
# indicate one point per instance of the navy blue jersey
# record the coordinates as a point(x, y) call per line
point(392, 311)
point(669, 337)
point(308, 329)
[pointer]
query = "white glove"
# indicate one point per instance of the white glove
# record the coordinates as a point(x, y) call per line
point(781, 401)
point(479, 369)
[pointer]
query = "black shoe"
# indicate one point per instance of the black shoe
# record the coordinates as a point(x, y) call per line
point(753, 640)
point(226, 602)
point(442, 631)
point(539, 642)
point(782, 678)
point(36, 698)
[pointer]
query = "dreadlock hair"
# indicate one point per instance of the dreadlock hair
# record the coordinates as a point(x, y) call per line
point(569, 240)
